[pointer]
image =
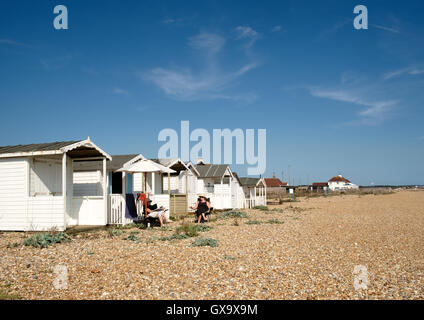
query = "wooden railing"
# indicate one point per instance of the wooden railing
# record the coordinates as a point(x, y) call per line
point(258, 201)
point(115, 209)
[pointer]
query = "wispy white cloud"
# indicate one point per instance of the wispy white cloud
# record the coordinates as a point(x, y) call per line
point(209, 82)
point(416, 71)
point(184, 85)
point(394, 74)
point(375, 112)
point(246, 32)
point(351, 78)
point(390, 29)
point(326, 33)
point(142, 108)
point(10, 42)
point(277, 29)
point(56, 63)
point(121, 91)
point(349, 21)
point(397, 73)
point(172, 21)
point(90, 71)
point(207, 41)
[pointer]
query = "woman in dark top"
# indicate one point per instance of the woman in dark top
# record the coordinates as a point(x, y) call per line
point(202, 207)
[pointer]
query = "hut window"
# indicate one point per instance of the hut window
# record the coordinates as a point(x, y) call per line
point(45, 178)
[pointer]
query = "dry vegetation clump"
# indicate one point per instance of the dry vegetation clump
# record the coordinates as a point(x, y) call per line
point(376, 192)
point(296, 209)
point(187, 229)
point(4, 295)
point(115, 232)
point(281, 201)
point(132, 237)
point(252, 222)
point(262, 208)
point(274, 221)
point(12, 245)
point(205, 242)
point(203, 228)
point(43, 240)
point(174, 236)
point(236, 222)
point(233, 214)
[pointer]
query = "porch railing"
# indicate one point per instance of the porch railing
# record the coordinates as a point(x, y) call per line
point(258, 201)
point(115, 209)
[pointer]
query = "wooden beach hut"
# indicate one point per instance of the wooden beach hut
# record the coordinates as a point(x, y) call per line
point(36, 186)
point(254, 191)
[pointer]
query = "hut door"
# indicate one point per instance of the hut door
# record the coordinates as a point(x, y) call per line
point(178, 204)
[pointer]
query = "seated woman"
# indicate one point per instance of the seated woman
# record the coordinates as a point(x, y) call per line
point(202, 208)
point(152, 211)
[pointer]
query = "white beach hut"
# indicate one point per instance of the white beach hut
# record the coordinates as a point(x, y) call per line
point(254, 191)
point(216, 182)
point(238, 196)
point(36, 186)
point(87, 180)
point(182, 183)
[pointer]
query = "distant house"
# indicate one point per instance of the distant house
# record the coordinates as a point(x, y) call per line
point(339, 183)
point(274, 184)
point(319, 186)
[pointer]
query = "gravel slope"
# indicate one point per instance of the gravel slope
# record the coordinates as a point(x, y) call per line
point(311, 255)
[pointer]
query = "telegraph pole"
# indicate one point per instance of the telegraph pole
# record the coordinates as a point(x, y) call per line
point(289, 173)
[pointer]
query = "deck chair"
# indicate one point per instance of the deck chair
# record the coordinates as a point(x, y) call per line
point(153, 221)
point(206, 213)
point(141, 213)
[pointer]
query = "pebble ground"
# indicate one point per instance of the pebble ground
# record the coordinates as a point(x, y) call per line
point(307, 251)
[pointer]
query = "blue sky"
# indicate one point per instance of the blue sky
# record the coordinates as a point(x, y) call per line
point(333, 99)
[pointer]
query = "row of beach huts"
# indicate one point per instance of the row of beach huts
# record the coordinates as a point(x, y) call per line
point(62, 184)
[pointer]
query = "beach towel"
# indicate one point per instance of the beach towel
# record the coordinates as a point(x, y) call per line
point(130, 208)
point(143, 198)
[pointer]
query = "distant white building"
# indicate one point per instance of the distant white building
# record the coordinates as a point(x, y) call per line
point(339, 183)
